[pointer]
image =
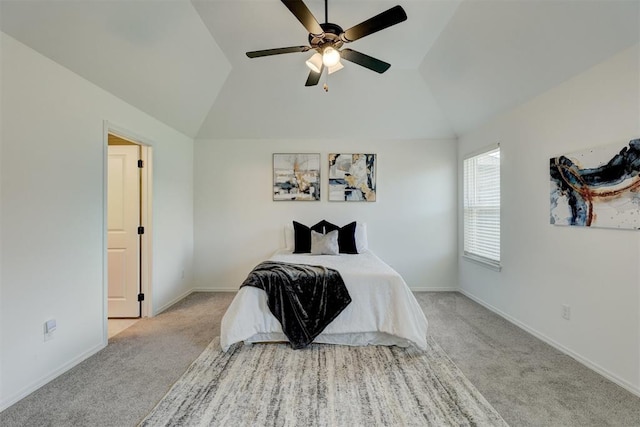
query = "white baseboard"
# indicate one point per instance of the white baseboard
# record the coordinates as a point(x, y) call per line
point(229, 289)
point(413, 288)
point(5, 403)
point(434, 289)
point(588, 363)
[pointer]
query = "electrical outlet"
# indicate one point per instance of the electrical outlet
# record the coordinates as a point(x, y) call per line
point(182, 274)
point(49, 328)
point(566, 312)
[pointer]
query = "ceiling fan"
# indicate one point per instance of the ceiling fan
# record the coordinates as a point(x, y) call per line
point(327, 40)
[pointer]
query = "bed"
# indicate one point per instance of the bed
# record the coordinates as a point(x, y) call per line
point(383, 311)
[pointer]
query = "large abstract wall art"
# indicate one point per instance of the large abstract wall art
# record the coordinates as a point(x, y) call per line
point(599, 187)
point(352, 177)
point(296, 177)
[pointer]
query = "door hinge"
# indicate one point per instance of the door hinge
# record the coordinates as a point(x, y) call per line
point(140, 230)
point(140, 163)
point(140, 297)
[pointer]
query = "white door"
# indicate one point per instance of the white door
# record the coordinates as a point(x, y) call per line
point(123, 219)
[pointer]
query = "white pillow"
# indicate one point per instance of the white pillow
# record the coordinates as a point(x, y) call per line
point(324, 244)
point(289, 240)
point(362, 243)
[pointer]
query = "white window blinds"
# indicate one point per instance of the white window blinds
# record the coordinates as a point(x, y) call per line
point(482, 207)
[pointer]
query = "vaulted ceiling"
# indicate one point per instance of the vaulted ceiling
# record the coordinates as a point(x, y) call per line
point(455, 63)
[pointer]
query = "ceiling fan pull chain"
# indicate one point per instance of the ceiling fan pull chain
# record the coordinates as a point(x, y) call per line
point(326, 80)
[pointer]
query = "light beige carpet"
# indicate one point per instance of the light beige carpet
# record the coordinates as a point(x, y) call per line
point(530, 383)
point(323, 385)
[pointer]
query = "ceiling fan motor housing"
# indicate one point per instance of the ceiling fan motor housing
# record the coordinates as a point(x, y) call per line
point(331, 37)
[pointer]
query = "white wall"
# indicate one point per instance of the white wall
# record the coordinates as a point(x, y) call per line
point(52, 210)
point(412, 224)
point(595, 271)
point(1, 238)
point(398, 104)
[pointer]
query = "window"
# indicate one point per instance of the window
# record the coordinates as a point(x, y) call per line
point(482, 208)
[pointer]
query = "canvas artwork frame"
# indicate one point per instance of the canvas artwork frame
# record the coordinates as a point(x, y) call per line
point(352, 177)
point(597, 187)
point(296, 177)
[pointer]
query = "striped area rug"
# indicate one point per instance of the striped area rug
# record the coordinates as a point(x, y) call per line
point(323, 385)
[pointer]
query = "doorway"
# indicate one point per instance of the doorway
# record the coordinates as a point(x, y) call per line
point(127, 229)
point(124, 297)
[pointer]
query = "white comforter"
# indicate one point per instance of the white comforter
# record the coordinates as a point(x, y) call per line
point(383, 311)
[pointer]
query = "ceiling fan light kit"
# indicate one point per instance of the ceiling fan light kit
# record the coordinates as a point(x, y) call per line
point(327, 40)
point(335, 68)
point(330, 56)
point(315, 62)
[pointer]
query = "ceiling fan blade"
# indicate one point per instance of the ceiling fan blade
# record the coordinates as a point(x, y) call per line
point(304, 15)
point(314, 77)
point(278, 51)
point(365, 60)
point(386, 19)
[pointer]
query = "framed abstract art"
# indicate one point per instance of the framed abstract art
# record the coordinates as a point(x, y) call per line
point(352, 177)
point(598, 187)
point(296, 177)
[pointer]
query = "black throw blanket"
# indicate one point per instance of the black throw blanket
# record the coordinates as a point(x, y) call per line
point(304, 298)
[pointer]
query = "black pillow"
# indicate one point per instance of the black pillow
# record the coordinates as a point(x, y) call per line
point(324, 227)
point(346, 236)
point(302, 235)
point(301, 238)
point(347, 239)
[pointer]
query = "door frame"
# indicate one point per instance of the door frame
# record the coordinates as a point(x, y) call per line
point(146, 198)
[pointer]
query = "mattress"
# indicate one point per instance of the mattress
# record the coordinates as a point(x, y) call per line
point(383, 310)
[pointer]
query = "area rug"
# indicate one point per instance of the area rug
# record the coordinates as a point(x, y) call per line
point(323, 385)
